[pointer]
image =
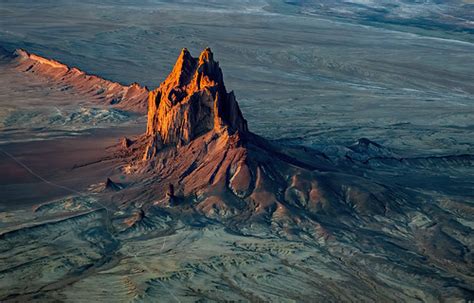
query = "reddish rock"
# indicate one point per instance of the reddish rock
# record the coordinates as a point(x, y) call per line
point(192, 101)
point(65, 78)
point(126, 142)
point(170, 192)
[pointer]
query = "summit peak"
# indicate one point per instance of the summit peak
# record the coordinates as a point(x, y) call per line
point(206, 56)
point(192, 101)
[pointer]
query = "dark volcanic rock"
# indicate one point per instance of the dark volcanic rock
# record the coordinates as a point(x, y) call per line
point(111, 185)
point(192, 101)
point(126, 142)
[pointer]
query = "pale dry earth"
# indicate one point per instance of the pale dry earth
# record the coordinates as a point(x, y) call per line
point(300, 79)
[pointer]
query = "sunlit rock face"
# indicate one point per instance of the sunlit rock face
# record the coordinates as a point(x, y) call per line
point(192, 101)
point(105, 92)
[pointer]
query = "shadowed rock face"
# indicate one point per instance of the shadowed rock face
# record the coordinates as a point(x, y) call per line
point(192, 101)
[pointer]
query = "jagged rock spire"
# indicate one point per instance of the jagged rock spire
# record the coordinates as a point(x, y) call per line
point(192, 101)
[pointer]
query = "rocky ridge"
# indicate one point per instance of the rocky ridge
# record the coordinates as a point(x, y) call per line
point(132, 97)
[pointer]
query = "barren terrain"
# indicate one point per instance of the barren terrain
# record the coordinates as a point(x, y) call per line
point(355, 182)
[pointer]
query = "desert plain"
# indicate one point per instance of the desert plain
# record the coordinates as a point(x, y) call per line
point(371, 100)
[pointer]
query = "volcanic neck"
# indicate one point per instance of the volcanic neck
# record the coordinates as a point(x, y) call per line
point(192, 101)
point(198, 141)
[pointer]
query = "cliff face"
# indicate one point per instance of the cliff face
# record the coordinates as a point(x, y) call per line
point(192, 101)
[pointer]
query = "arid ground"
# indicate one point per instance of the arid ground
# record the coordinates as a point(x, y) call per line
point(369, 103)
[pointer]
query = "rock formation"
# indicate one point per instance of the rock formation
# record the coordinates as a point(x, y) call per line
point(170, 192)
point(192, 101)
point(111, 185)
point(65, 78)
point(198, 140)
point(126, 142)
